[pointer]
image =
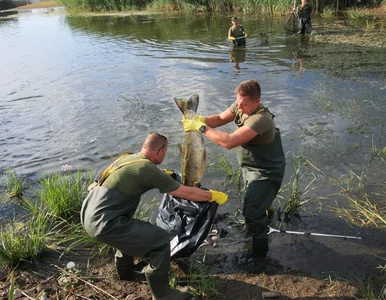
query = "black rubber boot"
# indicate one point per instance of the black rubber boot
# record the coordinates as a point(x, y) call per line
point(259, 249)
point(159, 286)
point(125, 266)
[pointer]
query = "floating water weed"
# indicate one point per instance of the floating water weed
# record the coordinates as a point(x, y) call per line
point(362, 212)
point(15, 184)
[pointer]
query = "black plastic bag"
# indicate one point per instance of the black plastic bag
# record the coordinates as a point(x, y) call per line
point(187, 222)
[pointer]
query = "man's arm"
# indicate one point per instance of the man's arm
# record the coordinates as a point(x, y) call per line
point(221, 119)
point(241, 136)
point(192, 193)
point(199, 195)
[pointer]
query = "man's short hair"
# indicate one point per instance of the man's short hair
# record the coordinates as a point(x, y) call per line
point(249, 88)
point(234, 18)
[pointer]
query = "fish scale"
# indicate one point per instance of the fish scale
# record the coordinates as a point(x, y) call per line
point(193, 151)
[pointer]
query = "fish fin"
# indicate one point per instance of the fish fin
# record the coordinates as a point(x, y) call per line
point(193, 103)
point(190, 105)
point(182, 104)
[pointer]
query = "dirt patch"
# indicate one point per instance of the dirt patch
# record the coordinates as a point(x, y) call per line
point(48, 278)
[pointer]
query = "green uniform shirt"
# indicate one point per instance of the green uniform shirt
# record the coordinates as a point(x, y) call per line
point(260, 121)
point(121, 192)
point(237, 32)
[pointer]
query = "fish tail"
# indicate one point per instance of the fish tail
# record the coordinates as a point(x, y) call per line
point(188, 106)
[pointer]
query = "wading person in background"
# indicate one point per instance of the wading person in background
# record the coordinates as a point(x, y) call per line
point(237, 33)
point(107, 214)
point(259, 152)
point(304, 12)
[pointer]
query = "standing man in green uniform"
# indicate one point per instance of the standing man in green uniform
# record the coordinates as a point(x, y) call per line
point(259, 152)
point(107, 214)
point(237, 33)
point(304, 12)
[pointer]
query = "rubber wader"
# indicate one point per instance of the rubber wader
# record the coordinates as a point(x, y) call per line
point(263, 170)
point(159, 286)
point(124, 265)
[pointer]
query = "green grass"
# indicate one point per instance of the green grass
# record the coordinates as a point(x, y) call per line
point(63, 193)
point(23, 242)
point(298, 186)
point(15, 184)
point(355, 14)
point(329, 12)
point(224, 167)
point(376, 152)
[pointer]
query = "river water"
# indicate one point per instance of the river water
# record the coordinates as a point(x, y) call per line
point(80, 90)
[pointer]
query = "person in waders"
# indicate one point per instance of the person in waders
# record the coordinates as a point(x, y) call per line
point(259, 152)
point(304, 11)
point(237, 33)
point(107, 214)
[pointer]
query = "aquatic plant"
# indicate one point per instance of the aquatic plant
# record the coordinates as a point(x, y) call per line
point(296, 195)
point(63, 193)
point(15, 184)
point(231, 172)
point(378, 152)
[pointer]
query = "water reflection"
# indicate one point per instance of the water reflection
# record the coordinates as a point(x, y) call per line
point(237, 55)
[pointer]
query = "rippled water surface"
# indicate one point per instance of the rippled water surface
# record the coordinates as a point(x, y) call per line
point(79, 90)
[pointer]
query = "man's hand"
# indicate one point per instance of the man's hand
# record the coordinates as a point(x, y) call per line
point(193, 124)
point(232, 38)
point(218, 197)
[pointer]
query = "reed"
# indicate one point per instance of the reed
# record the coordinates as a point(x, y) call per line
point(362, 212)
point(63, 193)
point(23, 242)
point(329, 12)
point(231, 173)
point(296, 195)
point(15, 184)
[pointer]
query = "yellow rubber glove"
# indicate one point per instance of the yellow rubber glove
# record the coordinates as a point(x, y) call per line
point(169, 172)
point(192, 124)
point(232, 38)
point(218, 197)
point(201, 118)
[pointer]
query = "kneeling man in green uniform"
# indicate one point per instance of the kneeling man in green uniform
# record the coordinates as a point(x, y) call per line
point(107, 214)
point(259, 152)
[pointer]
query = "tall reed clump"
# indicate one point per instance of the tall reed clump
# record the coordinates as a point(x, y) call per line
point(298, 186)
point(14, 183)
point(231, 172)
point(63, 193)
point(24, 241)
point(328, 12)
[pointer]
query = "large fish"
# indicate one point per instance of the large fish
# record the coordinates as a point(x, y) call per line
point(193, 152)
